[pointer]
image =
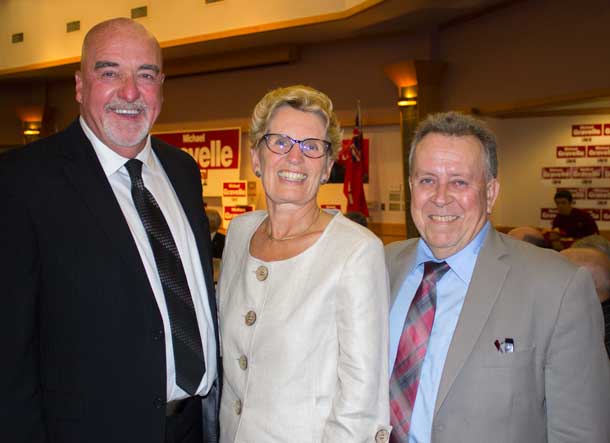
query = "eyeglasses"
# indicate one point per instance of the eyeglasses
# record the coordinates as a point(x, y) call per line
point(310, 147)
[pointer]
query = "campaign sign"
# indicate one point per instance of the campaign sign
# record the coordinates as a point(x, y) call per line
point(211, 149)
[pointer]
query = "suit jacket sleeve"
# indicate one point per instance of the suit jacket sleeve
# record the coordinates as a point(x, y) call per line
point(576, 371)
point(21, 416)
point(361, 405)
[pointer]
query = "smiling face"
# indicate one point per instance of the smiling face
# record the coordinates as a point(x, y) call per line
point(291, 178)
point(450, 197)
point(119, 86)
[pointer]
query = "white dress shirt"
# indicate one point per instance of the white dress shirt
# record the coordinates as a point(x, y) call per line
point(156, 181)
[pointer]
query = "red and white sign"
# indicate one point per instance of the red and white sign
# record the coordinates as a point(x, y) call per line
point(598, 194)
point(596, 214)
point(234, 189)
point(606, 128)
point(586, 130)
point(577, 193)
point(548, 213)
point(571, 151)
point(587, 172)
point(606, 215)
point(233, 211)
point(557, 172)
point(211, 149)
point(238, 193)
point(336, 206)
point(598, 151)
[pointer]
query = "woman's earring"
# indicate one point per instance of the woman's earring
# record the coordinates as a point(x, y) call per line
point(323, 180)
point(258, 173)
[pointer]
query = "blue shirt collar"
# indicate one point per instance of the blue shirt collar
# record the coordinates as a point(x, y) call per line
point(462, 262)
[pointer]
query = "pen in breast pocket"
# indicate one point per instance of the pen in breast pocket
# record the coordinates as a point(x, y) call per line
point(498, 346)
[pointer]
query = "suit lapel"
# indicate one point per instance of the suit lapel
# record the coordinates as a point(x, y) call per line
point(485, 285)
point(400, 268)
point(84, 171)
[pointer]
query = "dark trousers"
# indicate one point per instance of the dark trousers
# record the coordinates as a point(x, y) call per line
point(185, 425)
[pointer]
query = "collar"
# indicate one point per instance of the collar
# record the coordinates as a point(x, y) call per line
point(462, 262)
point(111, 161)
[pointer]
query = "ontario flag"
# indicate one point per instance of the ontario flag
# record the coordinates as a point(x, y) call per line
point(352, 157)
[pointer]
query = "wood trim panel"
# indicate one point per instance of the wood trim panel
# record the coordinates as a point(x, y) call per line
point(389, 232)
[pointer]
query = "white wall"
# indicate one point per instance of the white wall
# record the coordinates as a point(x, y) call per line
point(525, 146)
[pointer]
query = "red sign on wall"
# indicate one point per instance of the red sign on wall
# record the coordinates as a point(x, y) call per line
point(598, 151)
point(586, 130)
point(606, 173)
point(211, 149)
point(234, 211)
point(596, 214)
point(571, 151)
point(234, 189)
point(598, 194)
point(577, 193)
point(548, 213)
point(557, 172)
point(587, 172)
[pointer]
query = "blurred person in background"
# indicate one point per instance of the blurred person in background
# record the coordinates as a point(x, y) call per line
point(528, 234)
point(598, 264)
point(357, 217)
point(218, 238)
point(572, 222)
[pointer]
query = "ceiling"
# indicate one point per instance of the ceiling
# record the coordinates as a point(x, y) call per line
point(244, 49)
point(281, 44)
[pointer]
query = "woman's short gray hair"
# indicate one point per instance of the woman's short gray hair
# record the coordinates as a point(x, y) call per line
point(302, 98)
point(455, 124)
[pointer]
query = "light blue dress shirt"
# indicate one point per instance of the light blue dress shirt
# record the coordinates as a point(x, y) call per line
point(450, 294)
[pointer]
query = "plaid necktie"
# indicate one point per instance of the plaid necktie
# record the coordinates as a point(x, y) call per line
point(412, 350)
point(186, 340)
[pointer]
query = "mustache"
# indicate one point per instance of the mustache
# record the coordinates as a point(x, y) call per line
point(138, 105)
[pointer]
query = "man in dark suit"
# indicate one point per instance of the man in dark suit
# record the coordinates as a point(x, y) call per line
point(218, 238)
point(108, 315)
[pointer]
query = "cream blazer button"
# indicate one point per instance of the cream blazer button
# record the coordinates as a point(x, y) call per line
point(243, 362)
point(382, 436)
point(261, 273)
point(250, 318)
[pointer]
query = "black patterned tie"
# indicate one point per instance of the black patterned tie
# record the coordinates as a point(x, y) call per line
point(188, 351)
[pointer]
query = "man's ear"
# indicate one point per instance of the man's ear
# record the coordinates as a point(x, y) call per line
point(78, 81)
point(493, 189)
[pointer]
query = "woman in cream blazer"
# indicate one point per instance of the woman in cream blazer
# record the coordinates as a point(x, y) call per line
point(303, 295)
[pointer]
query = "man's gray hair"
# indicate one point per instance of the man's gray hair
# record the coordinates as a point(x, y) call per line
point(455, 124)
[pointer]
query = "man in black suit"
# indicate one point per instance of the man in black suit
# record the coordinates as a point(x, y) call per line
point(108, 316)
point(218, 238)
